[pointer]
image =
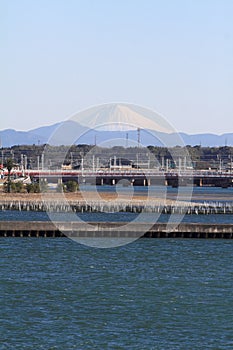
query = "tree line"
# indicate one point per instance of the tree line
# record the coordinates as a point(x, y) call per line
point(31, 156)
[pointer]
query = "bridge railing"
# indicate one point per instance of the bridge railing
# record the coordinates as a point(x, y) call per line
point(110, 173)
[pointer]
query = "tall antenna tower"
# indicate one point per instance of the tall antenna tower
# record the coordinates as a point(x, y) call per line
point(127, 140)
point(139, 137)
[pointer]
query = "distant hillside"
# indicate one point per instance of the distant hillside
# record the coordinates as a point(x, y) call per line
point(10, 137)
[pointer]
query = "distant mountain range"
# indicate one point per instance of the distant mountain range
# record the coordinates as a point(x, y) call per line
point(10, 137)
point(112, 124)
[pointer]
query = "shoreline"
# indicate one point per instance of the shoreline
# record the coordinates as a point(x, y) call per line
point(81, 197)
point(94, 196)
point(91, 196)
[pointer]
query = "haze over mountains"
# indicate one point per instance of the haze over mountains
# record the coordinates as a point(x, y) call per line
point(10, 137)
point(113, 124)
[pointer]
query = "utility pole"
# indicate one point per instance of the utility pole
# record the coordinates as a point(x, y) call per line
point(220, 163)
point(180, 165)
point(162, 162)
point(25, 162)
point(230, 157)
point(2, 157)
point(38, 162)
point(71, 159)
point(42, 161)
point(110, 162)
point(22, 164)
point(82, 164)
point(185, 163)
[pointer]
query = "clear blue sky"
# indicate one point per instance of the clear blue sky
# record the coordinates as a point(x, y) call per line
point(174, 56)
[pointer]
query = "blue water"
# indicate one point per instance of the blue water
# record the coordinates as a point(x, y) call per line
point(199, 194)
point(117, 217)
point(150, 294)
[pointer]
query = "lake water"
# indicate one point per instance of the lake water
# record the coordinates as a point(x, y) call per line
point(161, 294)
point(199, 194)
point(150, 294)
point(117, 217)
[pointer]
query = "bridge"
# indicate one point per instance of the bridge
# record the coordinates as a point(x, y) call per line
point(134, 177)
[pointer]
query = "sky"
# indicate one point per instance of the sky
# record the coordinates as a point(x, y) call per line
point(61, 56)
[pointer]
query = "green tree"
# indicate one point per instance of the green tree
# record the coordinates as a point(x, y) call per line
point(16, 187)
point(33, 188)
point(71, 186)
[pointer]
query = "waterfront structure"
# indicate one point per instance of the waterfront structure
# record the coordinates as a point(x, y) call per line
point(113, 230)
point(134, 177)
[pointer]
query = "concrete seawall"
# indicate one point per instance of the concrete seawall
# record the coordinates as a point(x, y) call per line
point(113, 229)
